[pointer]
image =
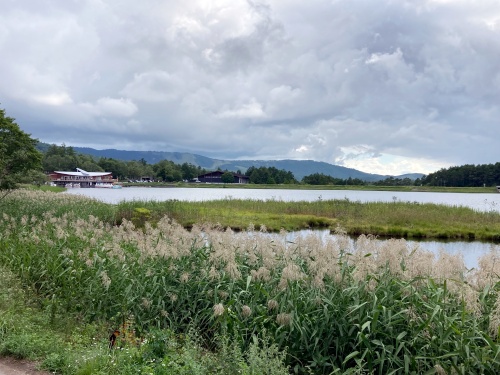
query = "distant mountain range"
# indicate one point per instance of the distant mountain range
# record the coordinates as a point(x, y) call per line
point(299, 168)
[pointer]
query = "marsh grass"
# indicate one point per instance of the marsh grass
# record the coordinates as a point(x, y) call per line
point(35, 203)
point(335, 306)
point(64, 344)
point(396, 219)
point(54, 189)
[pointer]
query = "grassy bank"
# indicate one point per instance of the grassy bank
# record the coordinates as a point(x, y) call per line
point(395, 219)
point(331, 306)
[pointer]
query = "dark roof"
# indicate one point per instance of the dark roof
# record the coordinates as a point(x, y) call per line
point(215, 173)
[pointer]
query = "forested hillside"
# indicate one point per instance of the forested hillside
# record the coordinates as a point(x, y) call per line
point(68, 158)
point(299, 168)
point(465, 176)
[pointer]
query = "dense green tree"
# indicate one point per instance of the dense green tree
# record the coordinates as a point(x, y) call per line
point(322, 179)
point(34, 177)
point(468, 175)
point(190, 171)
point(117, 167)
point(227, 177)
point(18, 154)
point(270, 175)
point(136, 170)
point(168, 171)
point(62, 158)
point(393, 181)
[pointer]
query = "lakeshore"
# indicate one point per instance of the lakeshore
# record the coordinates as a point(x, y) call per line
point(441, 189)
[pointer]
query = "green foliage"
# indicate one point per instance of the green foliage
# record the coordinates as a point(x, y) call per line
point(466, 175)
point(141, 216)
point(168, 171)
point(34, 177)
point(227, 177)
point(322, 179)
point(69, 346)
point(270, 175)
point(18, 154)
point(392, 181)
point(63, 158)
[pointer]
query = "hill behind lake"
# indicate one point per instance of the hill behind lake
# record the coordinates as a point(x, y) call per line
point(299, 168)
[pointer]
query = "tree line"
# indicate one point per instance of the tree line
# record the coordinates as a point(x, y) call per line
point(468, 175)
point(64, 158)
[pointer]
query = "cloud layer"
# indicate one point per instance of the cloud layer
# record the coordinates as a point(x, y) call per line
point(382, 86)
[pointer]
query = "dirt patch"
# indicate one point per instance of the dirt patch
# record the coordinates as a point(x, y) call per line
point(13, 366)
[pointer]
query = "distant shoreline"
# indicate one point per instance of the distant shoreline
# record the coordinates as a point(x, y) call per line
point(423, 189)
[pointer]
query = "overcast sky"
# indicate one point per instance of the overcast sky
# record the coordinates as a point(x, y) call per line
point(383, 86)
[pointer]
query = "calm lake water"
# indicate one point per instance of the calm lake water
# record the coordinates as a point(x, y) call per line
point(481, 202)
point(470, 250)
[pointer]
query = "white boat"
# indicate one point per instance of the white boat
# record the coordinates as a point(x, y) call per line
point(72, 185)
point(105, 185)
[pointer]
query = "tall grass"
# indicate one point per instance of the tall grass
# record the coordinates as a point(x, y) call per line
point(63, 344)
point(35, 204)
point(333, 305)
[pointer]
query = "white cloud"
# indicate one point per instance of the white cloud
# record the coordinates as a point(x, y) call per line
point(250, 110)
point(111, 107)
point(55, 99)
point(156, 86)
point(394, 165)
point(382, 85)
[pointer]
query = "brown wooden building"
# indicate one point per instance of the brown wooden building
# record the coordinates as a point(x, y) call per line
point(215, 177)
point(81, 178)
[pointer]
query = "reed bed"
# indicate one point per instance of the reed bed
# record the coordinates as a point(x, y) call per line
point(334, 306)
point(37, 203)
point(394, 219)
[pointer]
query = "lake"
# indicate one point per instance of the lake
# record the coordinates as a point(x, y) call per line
point(471, 251)
point(480, 202)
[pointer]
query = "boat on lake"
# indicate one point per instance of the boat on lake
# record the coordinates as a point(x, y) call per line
point(104, 185)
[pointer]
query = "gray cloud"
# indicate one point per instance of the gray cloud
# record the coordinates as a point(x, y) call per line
point(382, 86)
